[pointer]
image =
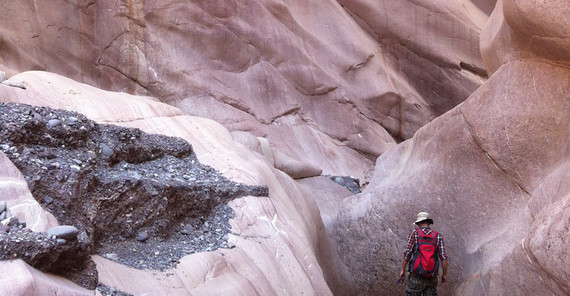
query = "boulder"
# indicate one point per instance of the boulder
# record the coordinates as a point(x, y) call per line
point(295, 168)
point(66, 232)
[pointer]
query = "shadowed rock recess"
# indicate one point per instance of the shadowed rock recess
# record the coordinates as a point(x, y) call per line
point(143, 200)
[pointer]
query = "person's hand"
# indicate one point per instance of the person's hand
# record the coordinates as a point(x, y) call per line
point(444, 278)
point(402, 276)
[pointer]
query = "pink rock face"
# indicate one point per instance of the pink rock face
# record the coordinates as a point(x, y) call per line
point(532, 31)
point(22, 279)
point(492, 173)
point(310, 77)
point(14, 191)
point(281, 246)
point(435, 42)
point(325, 87)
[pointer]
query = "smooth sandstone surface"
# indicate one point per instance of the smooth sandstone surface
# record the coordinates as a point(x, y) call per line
point(281, 244)
point(14, 191)
point(302, 89)
point(18, 278)
point(311, 77)
point(530, 30)
point(492, 172)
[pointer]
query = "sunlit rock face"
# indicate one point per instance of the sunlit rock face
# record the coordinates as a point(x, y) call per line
point(327, 84)
point(492, 172)
point(268, 92)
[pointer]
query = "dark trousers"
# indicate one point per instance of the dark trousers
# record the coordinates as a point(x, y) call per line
point(421, 286)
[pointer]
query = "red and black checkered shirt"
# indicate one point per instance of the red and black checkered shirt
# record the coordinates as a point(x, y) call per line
point(413, 241)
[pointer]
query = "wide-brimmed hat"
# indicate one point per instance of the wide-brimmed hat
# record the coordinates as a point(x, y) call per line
point(423, 216)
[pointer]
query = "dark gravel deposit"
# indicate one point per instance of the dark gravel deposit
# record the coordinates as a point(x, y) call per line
point(140, 199)
point(111, 291)
point(350, 183)
point(70, 259)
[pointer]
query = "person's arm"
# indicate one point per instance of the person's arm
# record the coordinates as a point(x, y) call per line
point(443, 257)
point(444, 275)
point(407, 253)
point(403, 268)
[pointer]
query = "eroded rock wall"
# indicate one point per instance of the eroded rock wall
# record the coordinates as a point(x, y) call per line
point(309, 77)
point(434, 42)
point(492, 172)
point(280, 243)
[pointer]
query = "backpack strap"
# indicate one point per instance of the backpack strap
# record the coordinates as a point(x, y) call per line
point(426, 238)
point(419, 232)
point(435, 234)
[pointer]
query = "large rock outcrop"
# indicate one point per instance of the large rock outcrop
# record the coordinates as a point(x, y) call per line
point(111, 181)
point(323, 88)
point(280, 244)
point(492, 172)
point(312, 78)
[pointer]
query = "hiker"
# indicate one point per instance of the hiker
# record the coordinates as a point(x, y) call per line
point(425, 251)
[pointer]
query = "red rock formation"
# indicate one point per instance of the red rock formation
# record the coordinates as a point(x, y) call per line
point(305, 76)
point(281, 246)
point(492, 172)
point(322, 87)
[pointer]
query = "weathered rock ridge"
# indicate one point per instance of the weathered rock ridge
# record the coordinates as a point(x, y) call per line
point(301, 91)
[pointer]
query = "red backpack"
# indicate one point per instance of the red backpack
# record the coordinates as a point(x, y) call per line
point(425, 261)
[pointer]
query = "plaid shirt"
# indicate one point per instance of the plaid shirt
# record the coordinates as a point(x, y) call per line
point(413, 241)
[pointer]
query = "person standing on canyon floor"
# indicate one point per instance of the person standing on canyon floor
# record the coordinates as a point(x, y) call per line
point(424, 253)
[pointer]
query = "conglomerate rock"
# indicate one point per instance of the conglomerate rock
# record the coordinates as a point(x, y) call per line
point(69, 258)
point(111, 181)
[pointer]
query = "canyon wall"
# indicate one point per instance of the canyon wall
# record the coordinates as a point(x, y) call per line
point(280, 244)
point(326, 84)
point(492, 172)
point(280, 93)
